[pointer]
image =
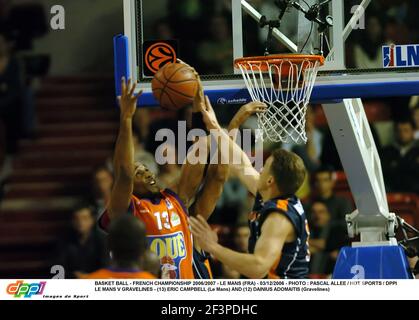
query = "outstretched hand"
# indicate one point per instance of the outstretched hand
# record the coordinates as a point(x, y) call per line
point(199, 99)
point(245, 112)
point(206, 238)
point(128, 99)
point(208, 115)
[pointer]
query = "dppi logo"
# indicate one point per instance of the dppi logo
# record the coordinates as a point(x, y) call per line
point(401, 56)
point(158, 55)
point(27, 290)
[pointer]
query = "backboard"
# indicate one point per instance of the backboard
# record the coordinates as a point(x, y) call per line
point(210, 34)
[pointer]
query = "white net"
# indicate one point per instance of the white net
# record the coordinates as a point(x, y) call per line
point(285, 85)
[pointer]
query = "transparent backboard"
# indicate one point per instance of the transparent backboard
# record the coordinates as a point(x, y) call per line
point(210, 34)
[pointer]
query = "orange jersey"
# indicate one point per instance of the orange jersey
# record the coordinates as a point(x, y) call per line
point(168, 233)
point(116, 274)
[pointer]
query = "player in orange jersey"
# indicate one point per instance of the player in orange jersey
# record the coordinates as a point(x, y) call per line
point(163, 212)
point(127, 243)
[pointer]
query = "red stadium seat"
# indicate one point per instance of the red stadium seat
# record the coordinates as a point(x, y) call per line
point(377, 111)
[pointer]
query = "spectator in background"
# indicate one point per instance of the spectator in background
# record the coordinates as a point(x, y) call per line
point(216, 53)
point(324, 182)
point(83, 250)
point(101, 189)
point(326, 239)
point(128, 246)
point(400, 161)
point(415, 117)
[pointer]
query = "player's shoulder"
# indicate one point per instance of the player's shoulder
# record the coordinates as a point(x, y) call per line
point(291, 207)
point(169, 192)
point(173, 196)
point(277, 204)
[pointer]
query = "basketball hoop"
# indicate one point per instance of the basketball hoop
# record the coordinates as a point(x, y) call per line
point(284, 82)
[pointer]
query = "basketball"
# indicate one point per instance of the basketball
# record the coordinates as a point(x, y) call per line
point(174, 86)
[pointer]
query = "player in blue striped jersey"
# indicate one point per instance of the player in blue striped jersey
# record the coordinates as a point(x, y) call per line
point(278, 245)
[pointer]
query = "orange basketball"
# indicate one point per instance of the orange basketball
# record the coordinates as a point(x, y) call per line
point(174, 86)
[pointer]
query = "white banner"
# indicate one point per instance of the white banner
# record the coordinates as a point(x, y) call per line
point(208, 289)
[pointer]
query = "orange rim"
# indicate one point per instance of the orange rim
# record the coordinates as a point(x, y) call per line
point(277, 59)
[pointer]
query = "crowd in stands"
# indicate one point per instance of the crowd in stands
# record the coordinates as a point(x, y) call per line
point(20, 24)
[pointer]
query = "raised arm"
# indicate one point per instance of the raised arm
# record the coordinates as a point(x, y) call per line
point(192, 174)
point(276, 230)
point(218, 173)
point(124, 153)
point(216, 176)
point(242, 168)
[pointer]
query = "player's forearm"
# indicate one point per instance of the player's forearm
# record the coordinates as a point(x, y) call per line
point(124, 150)
point(249, 265)
point(239, 157)
point(240, 164)
point(193, 170)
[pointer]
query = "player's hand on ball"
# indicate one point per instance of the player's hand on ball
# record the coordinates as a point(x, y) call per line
point(206, 238)
point(128, 99)
point(245, 112)
point(199, 100)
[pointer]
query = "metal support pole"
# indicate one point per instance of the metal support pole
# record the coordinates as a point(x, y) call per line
point(357, 150)
point(237, 18)
point(131, 32)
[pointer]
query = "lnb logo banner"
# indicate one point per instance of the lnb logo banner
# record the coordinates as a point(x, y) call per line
point(401, 56)
point(21, 289)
